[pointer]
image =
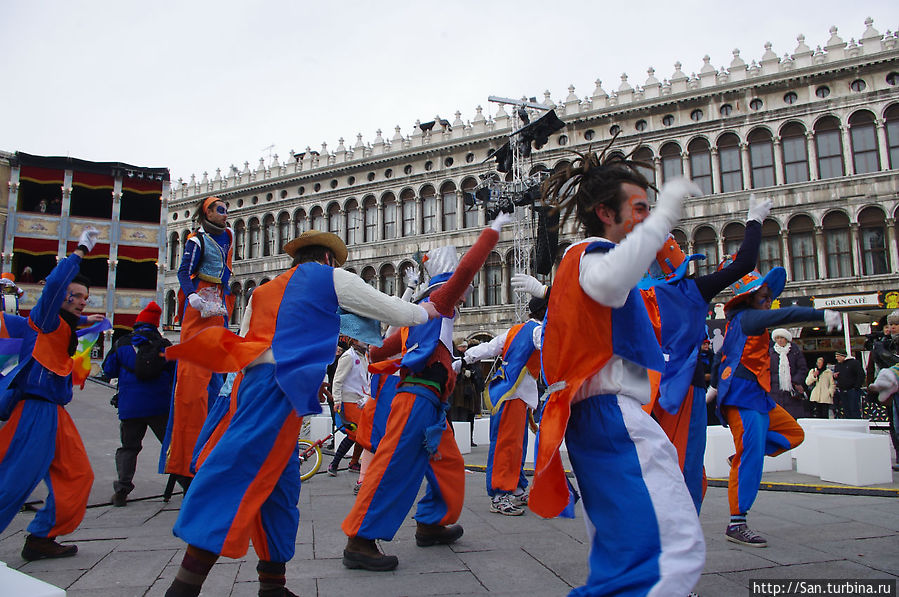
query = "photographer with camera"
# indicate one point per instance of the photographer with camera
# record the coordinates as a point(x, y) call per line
point(884, 350)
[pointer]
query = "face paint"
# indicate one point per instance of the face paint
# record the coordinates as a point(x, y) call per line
point(635, 208)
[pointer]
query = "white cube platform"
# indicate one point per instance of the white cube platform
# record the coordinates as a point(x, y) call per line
point(808, 453)
point(855, 458)
point(720, 445)
point(18, 584)
point(462, 430)
point(482, 431)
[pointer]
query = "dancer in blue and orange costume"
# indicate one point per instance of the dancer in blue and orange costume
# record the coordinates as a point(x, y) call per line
point(248, 483)
point(760, 427)
point(512, 392)
point(418, 441)
point(39, 442)
point(598, 344)
point(206, 263)
point(679, 306)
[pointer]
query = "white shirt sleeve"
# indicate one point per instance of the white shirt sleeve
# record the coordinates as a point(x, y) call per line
point(608, 277)
point(245, 322)
point(486, 350)
point(344, 368)
point(355, 296)
point(538, 337)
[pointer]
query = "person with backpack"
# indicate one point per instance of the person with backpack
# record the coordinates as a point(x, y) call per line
point(145, 386)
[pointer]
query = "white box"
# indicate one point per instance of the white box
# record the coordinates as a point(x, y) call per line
point(319, 427)
point(18, 584)
point(808, 453)
point(781, 462)
point(855, 458)
point(719, 444)
point(482, 431)
point(462, 430)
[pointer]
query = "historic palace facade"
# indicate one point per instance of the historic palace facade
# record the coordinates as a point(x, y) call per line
point(817, 130)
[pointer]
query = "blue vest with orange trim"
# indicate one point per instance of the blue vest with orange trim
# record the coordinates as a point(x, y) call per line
point(520, 357)
point(420, 342)
point(579, 337)
point(746, 357)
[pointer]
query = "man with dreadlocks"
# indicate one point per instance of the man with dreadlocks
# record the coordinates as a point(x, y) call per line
point(598, 343)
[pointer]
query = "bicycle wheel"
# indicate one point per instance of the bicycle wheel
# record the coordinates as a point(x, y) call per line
point(310, 458)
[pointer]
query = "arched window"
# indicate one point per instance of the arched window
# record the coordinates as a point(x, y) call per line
point(836, 244)
point(872, 237)
point(733, 237)
point(368, 275)
point(370, 217)
point(863, 138)
point(802, 248)
point(353, 222)
point(795, 153)
point(268, 235)
point(388, 279)
point(770, 247)
point(493, 274)
point(255, 239)
point(892, 128)
point(761, 158)
point(448, 195)
point(672, 164)
point(470, 218)
point(729, 161)
point(428, 210)
point(407, 198)
point(701, 164)
point(318, 219)
point(389, 203)
point(240, 239)
point(175, 250)
point(706, 242)
point(473, 299)
point(170, 307)
point(283, 232)
point(299, 222)
point(644, 156)
point(829, 147)
point(334, 226)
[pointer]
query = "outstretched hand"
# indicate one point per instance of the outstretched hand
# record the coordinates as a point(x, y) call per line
point(502, 218)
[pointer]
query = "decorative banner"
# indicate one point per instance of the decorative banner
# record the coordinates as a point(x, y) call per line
point(35, 246)
point(41, 175)
point(82, 360)
point(90, 180)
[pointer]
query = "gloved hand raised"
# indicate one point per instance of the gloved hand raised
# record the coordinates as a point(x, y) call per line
point(89, 238)
point(886, 384)
point(833, 320)
point(529, 284)
point(410, 277)
point(671, 199)
point(502, 218)
point(758, 209)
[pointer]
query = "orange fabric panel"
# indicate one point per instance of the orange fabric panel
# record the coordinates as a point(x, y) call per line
point(352, 413)
point(70, 475)
point(52, 350)
point(756, 359)
point(677, 427)
point(9, 428)
point(246, 520)
point(652, 308)
point(732, 416)
point(222, 426)
point(507, 452)
point(449, 470)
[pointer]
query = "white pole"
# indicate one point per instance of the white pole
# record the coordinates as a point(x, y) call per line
point(846, 334)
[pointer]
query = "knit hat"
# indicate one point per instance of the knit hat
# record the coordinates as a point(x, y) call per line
point(782, 333)
point(150, 314)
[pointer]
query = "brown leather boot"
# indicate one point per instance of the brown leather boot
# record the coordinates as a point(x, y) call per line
point(38, 548)
point(364, 553)
point(427, 535)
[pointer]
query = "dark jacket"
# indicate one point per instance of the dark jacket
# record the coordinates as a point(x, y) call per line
point(849, 374)
point(138, 398)
point(794, 403)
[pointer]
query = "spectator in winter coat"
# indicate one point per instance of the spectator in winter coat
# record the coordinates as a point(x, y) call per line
point(850, 376)
point(788, 371)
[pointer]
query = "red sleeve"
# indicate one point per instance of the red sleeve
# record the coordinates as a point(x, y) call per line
point(392, 345)
point(446, 297)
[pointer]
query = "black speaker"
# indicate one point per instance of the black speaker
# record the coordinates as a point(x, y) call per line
point(547, 239)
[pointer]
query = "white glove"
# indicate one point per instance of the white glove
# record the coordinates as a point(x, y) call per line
point(671, 199)
point(469, 359)
point(833, 320)
point(89, 237)
point(457, 365)
point(410, 277)
point(529, 284)
point(711, 394)
point(196, 301)
point(502, 218)
point(758, 210)
point(886, 384)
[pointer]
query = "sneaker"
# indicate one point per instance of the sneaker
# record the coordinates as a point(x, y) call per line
point(365, 554)
point(356, 488)
point(427, 535)
point(354, 467)
point(332, 470)
point(520, 500)
point(38, 548)
point(119, 499)
point(740, 533)
point(502, 504)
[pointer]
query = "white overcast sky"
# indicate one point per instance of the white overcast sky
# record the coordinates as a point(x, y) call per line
point(193, 85)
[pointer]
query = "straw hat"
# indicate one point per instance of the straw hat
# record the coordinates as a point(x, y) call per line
point(318, 238)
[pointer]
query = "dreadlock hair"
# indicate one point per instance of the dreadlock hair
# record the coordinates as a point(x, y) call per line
point(591, 181)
